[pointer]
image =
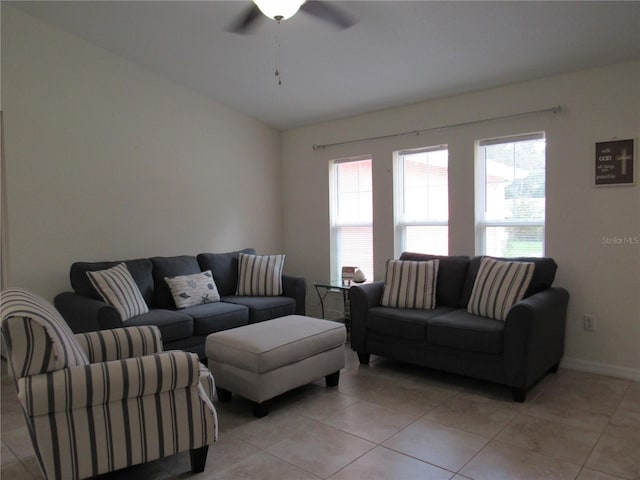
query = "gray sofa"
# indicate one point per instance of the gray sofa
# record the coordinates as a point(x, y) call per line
point(516, 352)
point(184, 329)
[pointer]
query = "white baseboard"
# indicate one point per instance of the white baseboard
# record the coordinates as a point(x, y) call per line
point(600, 368)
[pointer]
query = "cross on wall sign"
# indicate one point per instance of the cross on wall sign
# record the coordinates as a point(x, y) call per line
point(614, 163)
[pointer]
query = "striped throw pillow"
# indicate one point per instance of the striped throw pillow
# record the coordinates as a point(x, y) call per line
point(260, 275)
point(117, 287)
point(410, 284)
point(499, 285)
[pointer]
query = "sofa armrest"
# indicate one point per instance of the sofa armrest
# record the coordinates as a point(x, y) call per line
point(361, 298)
point(296, 288)
point(120, 343)
point(534, 336)
point(84, 314)
point(101, 383)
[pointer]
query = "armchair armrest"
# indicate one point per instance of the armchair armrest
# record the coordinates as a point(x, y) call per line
point(296, 288)
point(120, 343)
point(102, 383)
point(84, 314)
point(534, 336)
point(362, 297)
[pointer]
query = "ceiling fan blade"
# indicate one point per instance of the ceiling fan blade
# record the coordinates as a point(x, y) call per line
point(329, 13)
point(246, 22)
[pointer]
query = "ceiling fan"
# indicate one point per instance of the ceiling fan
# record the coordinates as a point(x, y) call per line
point(280, 10)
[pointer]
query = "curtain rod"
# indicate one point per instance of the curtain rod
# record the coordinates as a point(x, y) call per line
point(556, 109)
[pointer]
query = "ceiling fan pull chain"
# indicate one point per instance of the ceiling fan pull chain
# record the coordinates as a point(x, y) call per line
point(278, 59)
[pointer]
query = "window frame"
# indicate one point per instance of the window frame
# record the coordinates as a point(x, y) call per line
point(334, 226)
point(400, 223)
point(480, 200)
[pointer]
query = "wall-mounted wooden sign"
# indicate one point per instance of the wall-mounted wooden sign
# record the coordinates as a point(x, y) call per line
point(614, 163)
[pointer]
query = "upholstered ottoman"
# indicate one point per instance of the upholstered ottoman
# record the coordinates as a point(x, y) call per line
point(262, 360)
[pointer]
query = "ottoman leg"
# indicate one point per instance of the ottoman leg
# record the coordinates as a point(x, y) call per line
point(332, 379)
point(260, 409)
point(224, 395)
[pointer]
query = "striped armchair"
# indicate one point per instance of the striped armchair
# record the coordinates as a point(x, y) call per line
point(101, 401)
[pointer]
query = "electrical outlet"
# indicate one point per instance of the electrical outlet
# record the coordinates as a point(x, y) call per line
point(589, 322)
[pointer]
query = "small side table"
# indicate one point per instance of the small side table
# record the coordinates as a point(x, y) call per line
point(336, 286)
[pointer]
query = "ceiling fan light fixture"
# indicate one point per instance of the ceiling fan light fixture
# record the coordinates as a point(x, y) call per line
point(279, 9)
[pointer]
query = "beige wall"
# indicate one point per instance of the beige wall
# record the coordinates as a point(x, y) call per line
point(106, 160)
point(598, 105)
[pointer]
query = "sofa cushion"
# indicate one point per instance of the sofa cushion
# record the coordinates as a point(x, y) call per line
point(224, 267)
point(499, 285)
point(213, 317)
point(410, 284)
point(170, 267)
point(543, 275)
point(117, 287)
point(402, 323)
point(173, 325)
point(452, 272)
point(194, 289)
point(140, 269)
point(264, 308)
point(260, 275)
point(465, 331)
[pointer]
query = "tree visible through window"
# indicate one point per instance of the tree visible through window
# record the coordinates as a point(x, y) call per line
point(510, 196)
point(351, 216)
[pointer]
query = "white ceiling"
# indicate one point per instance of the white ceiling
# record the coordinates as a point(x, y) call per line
point(398, 53)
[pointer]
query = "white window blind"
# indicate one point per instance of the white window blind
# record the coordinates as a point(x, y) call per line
point(351, 216)
point(421, 201)
point(510, 196)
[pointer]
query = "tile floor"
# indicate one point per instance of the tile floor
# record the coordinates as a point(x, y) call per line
point(395, 421)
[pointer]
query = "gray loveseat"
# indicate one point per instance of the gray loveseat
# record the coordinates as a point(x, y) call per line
point(184, 329)
point(516, 352)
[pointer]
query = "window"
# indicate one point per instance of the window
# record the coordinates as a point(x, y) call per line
point(422, 201)
point(510, 196)
point(351, 216)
